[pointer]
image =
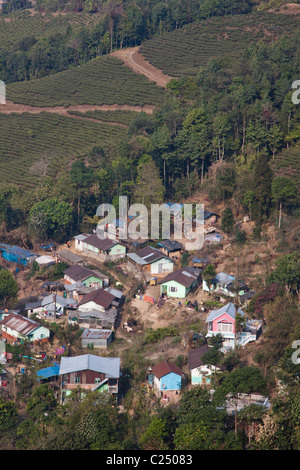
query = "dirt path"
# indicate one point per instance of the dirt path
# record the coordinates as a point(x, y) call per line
point(134, 59)
point(11, 107)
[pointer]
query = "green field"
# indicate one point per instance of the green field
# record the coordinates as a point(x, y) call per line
point(104, 80)
point(185, 51)
point(28, 138)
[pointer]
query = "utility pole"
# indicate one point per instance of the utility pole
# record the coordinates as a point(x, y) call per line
point(236, 300)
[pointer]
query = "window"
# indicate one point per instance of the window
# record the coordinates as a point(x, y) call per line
point(77, 380)
point(97, 380)
point(225, 327)
point(172, 289)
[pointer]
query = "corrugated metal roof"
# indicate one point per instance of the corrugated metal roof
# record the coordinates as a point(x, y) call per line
point(81, 236)
point(110, 366)
point(21, 324)
point(95, 333)
point(148, 255)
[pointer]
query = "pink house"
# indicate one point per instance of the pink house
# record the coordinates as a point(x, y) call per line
point(222, 321)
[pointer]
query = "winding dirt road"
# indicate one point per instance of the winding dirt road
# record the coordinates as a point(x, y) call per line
point(135, 60)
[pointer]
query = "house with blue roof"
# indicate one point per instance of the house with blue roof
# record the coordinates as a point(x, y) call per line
point(225, 284)
point(222, 321)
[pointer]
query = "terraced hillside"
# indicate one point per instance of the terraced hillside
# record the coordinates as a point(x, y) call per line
point(101, 81)
point(185, 51)
point(23, 24)
point(27, 139)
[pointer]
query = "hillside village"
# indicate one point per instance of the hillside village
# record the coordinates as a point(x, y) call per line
point(142, 343)
point(112, 292)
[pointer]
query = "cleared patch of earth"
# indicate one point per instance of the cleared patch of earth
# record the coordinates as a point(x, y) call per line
point(138, 64)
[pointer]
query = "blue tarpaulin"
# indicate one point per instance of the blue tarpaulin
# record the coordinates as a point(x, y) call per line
point(16, 254)
point(48, 372)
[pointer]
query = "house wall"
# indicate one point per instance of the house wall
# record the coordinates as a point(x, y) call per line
point(180, 292)
point(90, 306)
point(224, 317)
point(39, 333)
point(171, 381)
point(219, 288)
point(97, 343)
point(78, 245)
point(117, 250)
point(84, 376)
point(93, 281)
point(162, 266)
point(197, 377)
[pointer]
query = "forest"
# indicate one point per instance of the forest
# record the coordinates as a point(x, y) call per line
point(227, 131)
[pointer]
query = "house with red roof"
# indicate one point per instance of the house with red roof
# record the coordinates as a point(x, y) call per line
point(167, 379)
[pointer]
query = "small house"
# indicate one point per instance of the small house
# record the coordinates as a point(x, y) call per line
point(167, 379)
point(16, 327)
point(99, 299)
point(172, 248)
point(210, 217)
point(225, 284)
point(90, 373)
point(103, 248)
point(151, 260)
point(51, 306)
point(48, 374)
point(179, 283)
point(78, 241)
point(96, 337)
point(94, 319)
point(87, 277)
point(222, 321)
point(201, 373)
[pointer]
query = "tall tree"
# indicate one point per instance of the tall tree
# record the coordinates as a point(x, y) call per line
point(82, 176)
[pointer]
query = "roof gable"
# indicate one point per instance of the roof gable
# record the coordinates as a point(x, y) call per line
point(99, 296)
point(185, 276)
point(228, 309)
point(165, 368)
point(80, 273)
